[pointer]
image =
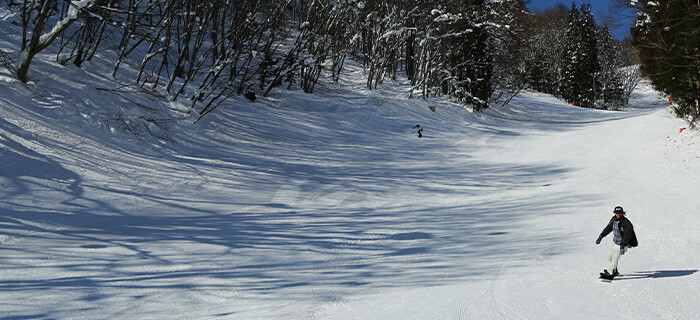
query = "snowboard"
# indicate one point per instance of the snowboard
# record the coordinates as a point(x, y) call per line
point(606, 277)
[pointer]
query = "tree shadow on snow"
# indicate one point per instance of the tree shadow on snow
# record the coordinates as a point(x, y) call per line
point(292, 225)
point(292, 213)
point(22, 168)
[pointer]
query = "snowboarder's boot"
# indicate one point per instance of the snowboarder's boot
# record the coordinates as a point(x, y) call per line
point(606, 275)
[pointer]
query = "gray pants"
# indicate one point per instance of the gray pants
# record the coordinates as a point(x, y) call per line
point(614, 255)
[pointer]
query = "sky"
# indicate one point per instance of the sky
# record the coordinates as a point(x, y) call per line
point(598, 5)
point(600, 9)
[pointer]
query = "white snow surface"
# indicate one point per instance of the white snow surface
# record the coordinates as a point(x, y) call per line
point(328, 206)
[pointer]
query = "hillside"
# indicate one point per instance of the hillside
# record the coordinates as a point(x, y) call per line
point(328, 206)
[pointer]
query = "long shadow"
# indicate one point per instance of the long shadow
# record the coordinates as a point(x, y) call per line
point(27, 317)
point(658, 274)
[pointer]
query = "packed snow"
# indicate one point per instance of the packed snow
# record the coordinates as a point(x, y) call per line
point(328, 205)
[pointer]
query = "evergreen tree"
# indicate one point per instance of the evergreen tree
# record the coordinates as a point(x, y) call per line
point(538, 73)
point(507, 46)
point(543, 34)
point(571, 58)
point(666, 34)
point(475, 69)
point(589, 57)
point(453, 57)
point(610, 92)
point(580, 58)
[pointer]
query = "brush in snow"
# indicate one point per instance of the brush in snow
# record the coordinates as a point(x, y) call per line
point(250, 96)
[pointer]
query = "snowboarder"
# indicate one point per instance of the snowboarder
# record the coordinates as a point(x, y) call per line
point(623, 238)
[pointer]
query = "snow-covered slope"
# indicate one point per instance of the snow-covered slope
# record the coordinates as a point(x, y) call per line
point(328, 206)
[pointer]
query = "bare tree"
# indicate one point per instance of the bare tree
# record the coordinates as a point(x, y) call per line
point(36, 15)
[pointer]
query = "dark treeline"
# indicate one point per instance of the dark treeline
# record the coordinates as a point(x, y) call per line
point(476, 51)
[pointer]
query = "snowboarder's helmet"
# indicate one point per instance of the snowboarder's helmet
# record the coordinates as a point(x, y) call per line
point(618, 210)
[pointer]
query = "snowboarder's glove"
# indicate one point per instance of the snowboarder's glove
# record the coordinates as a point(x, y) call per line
point(598, 241)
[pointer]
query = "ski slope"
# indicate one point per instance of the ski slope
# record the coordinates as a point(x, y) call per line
point(328, 206)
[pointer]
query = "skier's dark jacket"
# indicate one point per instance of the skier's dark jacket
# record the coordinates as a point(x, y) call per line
point(629, 238)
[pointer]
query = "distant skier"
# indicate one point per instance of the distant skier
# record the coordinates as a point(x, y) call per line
point(623, 238)
point(420, 130)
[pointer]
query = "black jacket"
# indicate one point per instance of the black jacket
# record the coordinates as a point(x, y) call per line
point(629, 238)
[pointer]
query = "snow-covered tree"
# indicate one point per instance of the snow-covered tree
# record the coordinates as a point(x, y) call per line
point(508, 47)
point(666, 33)
point(462, 49)
point(589, 63)
point(545, 48)
point(610, 91)
point(580, 58)
point(36, 16)
point(453, 57)
point(571, 58)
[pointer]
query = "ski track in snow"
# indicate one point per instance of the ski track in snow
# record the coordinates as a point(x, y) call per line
point(327, 206)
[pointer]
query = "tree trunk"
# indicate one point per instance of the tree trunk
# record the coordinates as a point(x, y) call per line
point(33, 47)
point(696, 108)
point(410, 56)
point(39, 42)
